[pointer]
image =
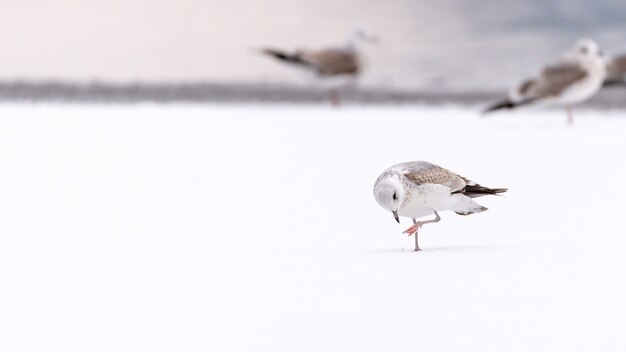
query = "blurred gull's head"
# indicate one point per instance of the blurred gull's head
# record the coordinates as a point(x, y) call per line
point(587, 48)
point(360, 34)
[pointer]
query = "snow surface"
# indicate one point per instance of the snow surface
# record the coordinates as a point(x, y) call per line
point(224, 228)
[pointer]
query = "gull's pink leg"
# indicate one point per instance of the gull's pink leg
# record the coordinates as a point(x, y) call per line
point(416, 227)
point(413, 229)
point(333, 95)
point(417, 246)
point(570, 115)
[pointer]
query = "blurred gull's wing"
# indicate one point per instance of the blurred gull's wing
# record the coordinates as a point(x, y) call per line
point(333, 61)
point(523, 91)
point(551, 82)
point(557, 78)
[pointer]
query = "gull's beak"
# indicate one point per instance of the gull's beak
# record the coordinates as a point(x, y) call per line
point(373, 39)
point(395, 215)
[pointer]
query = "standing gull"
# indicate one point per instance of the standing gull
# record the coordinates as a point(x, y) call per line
point(575, 77)
point(342, 63)
point(419, 188)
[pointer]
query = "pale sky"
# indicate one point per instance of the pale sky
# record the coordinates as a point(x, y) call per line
point(423, 42)
point(172, 40)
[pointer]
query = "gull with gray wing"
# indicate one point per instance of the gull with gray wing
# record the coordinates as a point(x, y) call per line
point(418, 188)
point(342, 63)
point(576, 77)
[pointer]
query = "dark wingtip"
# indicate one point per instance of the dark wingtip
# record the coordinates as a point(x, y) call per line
point(476, 190)
point(504, 104)
point(293, 58)
point(268, 51)
point(496, 191)
point(612, 83)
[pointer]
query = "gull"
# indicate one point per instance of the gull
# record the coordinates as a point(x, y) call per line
point(342, 63)
point(418, 188)
point(575, 77)
point(616, 70)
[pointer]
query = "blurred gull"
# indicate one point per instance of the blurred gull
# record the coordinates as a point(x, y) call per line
point(419, 188)
point(339, 65)
point(576, 77)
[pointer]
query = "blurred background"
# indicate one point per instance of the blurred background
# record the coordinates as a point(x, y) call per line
point(444, 46)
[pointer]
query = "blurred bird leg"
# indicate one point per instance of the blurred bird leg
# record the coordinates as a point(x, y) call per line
point(333, 95)
point(570, 115)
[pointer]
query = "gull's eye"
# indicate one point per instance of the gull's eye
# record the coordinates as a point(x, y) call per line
point(394, 196)
point(584, 50)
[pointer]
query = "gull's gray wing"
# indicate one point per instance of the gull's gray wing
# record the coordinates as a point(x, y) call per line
point(422, 172)
point(333, 61)
point(554, 80)
point(524, 89)
point(325, 62)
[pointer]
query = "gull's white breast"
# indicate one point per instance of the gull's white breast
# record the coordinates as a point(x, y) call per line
point(423, 200)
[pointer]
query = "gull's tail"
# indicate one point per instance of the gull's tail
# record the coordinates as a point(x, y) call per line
point(466, 205)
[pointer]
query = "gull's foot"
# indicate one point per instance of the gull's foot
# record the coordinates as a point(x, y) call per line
point(413, 229)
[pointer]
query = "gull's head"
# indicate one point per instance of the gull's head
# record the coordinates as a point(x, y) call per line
point(389, 193)
point(361, 35)
point(587, 48)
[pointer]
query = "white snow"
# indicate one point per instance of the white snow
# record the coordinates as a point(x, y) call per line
point(254, 228)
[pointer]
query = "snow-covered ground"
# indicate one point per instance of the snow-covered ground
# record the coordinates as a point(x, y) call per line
point(222, 228)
